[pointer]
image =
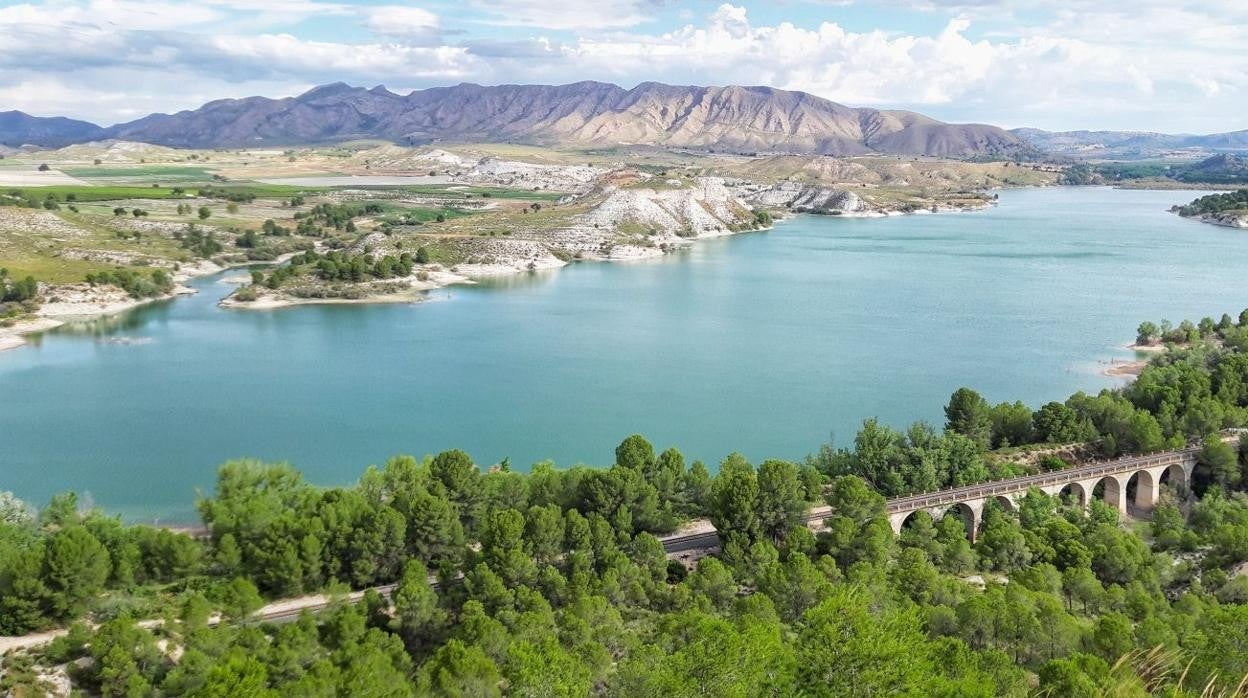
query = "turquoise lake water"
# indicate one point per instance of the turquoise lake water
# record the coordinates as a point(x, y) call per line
point(765, 343)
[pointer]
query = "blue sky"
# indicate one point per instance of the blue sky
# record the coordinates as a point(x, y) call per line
point(1165, 65)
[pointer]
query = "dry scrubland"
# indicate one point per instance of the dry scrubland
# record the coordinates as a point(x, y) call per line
point(445, 215)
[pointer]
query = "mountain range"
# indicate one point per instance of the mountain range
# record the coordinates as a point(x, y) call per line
point(1128, 144)
point(732, 118)
point(18, 128)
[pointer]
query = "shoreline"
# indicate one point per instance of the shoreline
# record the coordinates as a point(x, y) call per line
point(271, 303)
point(107, 303)
point(463, 274)
point(437, 279)
point(1122, 368)
point(43, 321)
point(112, 302)
point(1232, 222)
point(16, 336)
point(894, 213)
point(1129, 369)
point(1173, 185)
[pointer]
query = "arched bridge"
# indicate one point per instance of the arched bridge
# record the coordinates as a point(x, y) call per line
point(1139, 477)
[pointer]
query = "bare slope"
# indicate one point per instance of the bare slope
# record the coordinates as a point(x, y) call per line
point(583, 114)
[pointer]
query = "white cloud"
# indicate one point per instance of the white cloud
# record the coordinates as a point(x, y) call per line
point(564, 14)
point(859, 68)
point(397, 20)
point(1208, 86)
point(116, 14)
point(1151, 64)
point(1064, 76)
point(267, 14)
point(112, 96)
point(279, 55)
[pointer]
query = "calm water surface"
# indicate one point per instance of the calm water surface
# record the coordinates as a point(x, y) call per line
point(763, 343)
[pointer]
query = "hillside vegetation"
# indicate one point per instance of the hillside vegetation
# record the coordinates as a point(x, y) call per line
point(1221, 169)
point(1217, 203)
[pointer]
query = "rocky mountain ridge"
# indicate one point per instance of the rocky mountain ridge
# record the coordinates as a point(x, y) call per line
point(593, 114)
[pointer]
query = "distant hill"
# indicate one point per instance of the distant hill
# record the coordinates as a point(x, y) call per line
point(1223, 168)
point(738, 119)
point(19, 128)
point(1129, 144)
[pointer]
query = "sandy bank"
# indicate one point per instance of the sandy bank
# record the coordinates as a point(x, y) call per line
point(1130, 368)
point(78, 307)
point(892, 213)
point(435, 277)
point(1122, 368)
point(273, 302)
point(464, 273)
point(15, 336)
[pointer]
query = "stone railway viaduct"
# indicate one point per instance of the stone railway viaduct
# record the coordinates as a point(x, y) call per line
point(1130, 485)
point(1133, 481)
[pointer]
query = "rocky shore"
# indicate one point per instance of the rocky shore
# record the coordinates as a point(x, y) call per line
point(1228, 220)
point(836, 201)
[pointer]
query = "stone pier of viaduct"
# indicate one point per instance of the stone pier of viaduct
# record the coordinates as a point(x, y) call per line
point(1133, 481)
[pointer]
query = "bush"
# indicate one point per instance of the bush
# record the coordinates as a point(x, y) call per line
point(1051, 463)
point(137, 285)
point(14, 291)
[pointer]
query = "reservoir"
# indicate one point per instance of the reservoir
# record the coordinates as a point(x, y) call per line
point(765, 343)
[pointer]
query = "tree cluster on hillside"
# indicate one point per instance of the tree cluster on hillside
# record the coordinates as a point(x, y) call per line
point(1224, 168)
point(337, 266)
point(337, 216)
point(1183, 395)
point(1081, 174)
point(270, 227)
point(200, 242)
point(241, 195)
point(554, 583)
point(1188, 332)
point(32, 198)
point(16, 295)
point(1216, 203)
point(157, 282)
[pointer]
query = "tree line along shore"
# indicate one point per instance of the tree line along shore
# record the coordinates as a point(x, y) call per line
point(554, 582)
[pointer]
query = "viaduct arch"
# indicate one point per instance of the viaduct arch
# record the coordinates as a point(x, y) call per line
point(1137, 477)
